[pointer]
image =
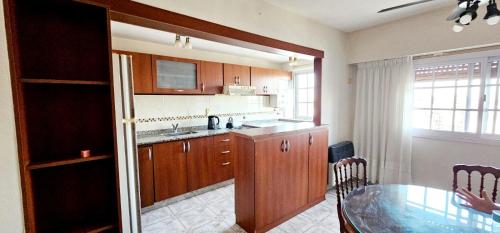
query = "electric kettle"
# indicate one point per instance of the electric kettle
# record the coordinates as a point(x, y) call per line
point(211, 122)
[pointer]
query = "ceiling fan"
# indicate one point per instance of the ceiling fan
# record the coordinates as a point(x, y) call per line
point(464, 13)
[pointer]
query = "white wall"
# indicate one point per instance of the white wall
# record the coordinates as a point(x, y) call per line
point(267, 20)
point(419, 34)
point(432, 160)
point(11, 216)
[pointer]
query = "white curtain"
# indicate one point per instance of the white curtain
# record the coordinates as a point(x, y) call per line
point(382, 124)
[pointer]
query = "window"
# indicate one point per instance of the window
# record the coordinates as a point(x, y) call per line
point(458, 96)
point(304, 95)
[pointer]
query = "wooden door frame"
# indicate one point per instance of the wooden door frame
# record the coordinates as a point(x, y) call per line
point(130, 12)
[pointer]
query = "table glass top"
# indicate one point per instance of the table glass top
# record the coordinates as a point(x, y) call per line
point(408, 208)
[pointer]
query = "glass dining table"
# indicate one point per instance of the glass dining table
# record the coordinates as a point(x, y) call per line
point(409, 208)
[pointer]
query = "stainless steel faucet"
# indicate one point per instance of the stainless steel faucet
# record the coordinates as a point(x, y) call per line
point(174, 127)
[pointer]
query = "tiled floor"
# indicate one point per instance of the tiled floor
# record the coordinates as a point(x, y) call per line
point(214, 212)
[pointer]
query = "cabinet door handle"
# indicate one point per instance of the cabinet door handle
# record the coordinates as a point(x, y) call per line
point(150, 154)
point(225, 152)
point(311, 140)
point(188, 146)
point(288, 146)
point(283, 146)
point(202, 87)
point(183, 147)
point(226, 163)
point(225, 140)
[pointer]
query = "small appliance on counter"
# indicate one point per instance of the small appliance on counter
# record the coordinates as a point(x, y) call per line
point(229, 124)
point(211, 122)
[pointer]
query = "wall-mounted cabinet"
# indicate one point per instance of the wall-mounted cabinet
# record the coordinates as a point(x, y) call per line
point(176, 75)
point(212, 77)
point(267, 80)
point(236, 75)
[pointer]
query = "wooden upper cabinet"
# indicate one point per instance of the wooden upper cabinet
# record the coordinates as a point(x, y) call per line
point(141, 71)
point(318, 162)
point(170, 174)
point(263, 80)
point(236, 75)
point(176, 75)
point(199, 162)
point(267, 81)
point(146, 176)
point(212, 80)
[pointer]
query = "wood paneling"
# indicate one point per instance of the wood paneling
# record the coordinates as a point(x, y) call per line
point(318, 164)
point(212, 77)
point(170, 174)
point(199, 162)
point(236, 74)
point(146, 175)
point(317, 90)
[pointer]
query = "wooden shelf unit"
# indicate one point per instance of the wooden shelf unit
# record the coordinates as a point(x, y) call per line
point(58, 163)
point(60, 60)
point(69, 82)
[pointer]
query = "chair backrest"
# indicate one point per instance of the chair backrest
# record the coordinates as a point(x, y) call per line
point(482, 170)
point(347, 179)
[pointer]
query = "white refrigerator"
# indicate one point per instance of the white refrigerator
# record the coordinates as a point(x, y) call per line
point(126, 143)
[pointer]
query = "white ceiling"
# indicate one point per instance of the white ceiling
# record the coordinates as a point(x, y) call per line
point(129, 31)
point(352, 15)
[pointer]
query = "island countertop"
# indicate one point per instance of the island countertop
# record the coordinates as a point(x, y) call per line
point(257, 133)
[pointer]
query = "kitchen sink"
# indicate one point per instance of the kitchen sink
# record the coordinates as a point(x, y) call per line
point(178, 133)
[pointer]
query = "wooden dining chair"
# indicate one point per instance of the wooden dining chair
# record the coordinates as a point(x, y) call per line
point(483, 171)
point(346, 181)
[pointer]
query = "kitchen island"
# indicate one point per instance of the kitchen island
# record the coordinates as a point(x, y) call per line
point(279, 172)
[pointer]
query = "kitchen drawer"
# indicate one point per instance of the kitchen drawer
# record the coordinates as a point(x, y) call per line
point(223, 168)
point(221, 140)
point(223, 151)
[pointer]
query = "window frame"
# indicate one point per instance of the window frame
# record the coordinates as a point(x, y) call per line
point(478, 137)
point(296, 100)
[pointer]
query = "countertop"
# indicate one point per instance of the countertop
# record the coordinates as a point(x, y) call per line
point(157, 137)
point(255, 133)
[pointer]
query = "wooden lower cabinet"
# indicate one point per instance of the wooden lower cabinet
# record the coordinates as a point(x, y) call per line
point(199, 162)
point(146, 176)
point(174, 168)
point(274, 177)
point(318, 164)
point(170, 170)
point(281, 183)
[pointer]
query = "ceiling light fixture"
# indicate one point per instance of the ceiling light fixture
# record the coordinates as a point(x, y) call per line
point(178, 42)
point(292, 61)
point(492, 16)
point(470, 13)
point(188, 44)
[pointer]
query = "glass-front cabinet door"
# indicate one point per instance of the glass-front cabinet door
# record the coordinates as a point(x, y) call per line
point(176, 75)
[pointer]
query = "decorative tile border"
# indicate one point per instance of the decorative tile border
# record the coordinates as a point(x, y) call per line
point(192, 117)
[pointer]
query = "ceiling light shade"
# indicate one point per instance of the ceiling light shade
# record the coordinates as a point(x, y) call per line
point(492, 16)
point(292, 61)
point(188, 44)
point(458, 27)
point(469, 14)
point(463, 3)
point(178, 42)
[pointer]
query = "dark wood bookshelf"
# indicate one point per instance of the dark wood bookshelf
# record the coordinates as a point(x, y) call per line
point(69, 82)
point(60, 63)
point(68, 162)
